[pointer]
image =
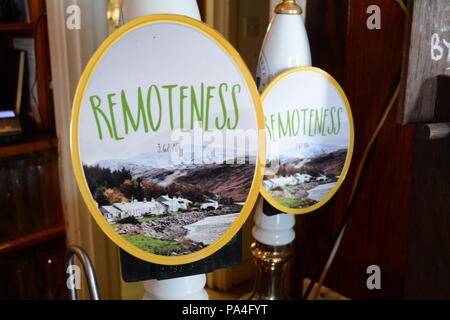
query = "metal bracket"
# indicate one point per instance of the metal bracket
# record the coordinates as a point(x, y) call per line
point(88, 268)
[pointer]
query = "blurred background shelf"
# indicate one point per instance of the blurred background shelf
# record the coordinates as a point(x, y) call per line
point(28, 147)
point(32, 233)
point(35, 272)
point(16, 26)
point(33, 139)
point(31, 240)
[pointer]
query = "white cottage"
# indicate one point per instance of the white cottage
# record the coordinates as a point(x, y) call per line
point(137, 209)
point(209, 204)
point(287, 181)
point(111, 213)
point(174, 204)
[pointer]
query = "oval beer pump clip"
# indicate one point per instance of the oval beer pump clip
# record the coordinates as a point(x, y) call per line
point(151, 117)
point(310, 137)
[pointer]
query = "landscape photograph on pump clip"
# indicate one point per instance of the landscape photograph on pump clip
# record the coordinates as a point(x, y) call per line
point(170, 209)
point(306, 176)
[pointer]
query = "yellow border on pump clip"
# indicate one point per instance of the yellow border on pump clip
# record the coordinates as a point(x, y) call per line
point(76, 161)
point(344, 172)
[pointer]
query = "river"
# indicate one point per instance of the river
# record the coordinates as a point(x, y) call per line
point(210, 229)
point(320, 192)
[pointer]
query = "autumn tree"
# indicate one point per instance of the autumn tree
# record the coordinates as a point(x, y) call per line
point(127, 188)
point(131, 188)
point(98, 177)
point(194, 193)
point(152, 190)
point(115, 196)
point(173, 188)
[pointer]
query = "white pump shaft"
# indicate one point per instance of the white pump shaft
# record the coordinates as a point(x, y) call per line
point(133, 9)
point(285, 46)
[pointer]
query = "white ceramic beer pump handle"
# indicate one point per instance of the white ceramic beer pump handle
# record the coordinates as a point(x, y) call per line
point(185, 288)
point(133, 9)
point(285, 46)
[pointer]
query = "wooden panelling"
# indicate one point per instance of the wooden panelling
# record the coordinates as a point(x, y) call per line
point(366, 63)
point(327, 24)
point(428, 263)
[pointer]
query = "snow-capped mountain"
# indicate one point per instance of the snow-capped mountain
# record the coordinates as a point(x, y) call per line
point(145, 162)
point(304, 152)
point(116, 165)
point(187, 158)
